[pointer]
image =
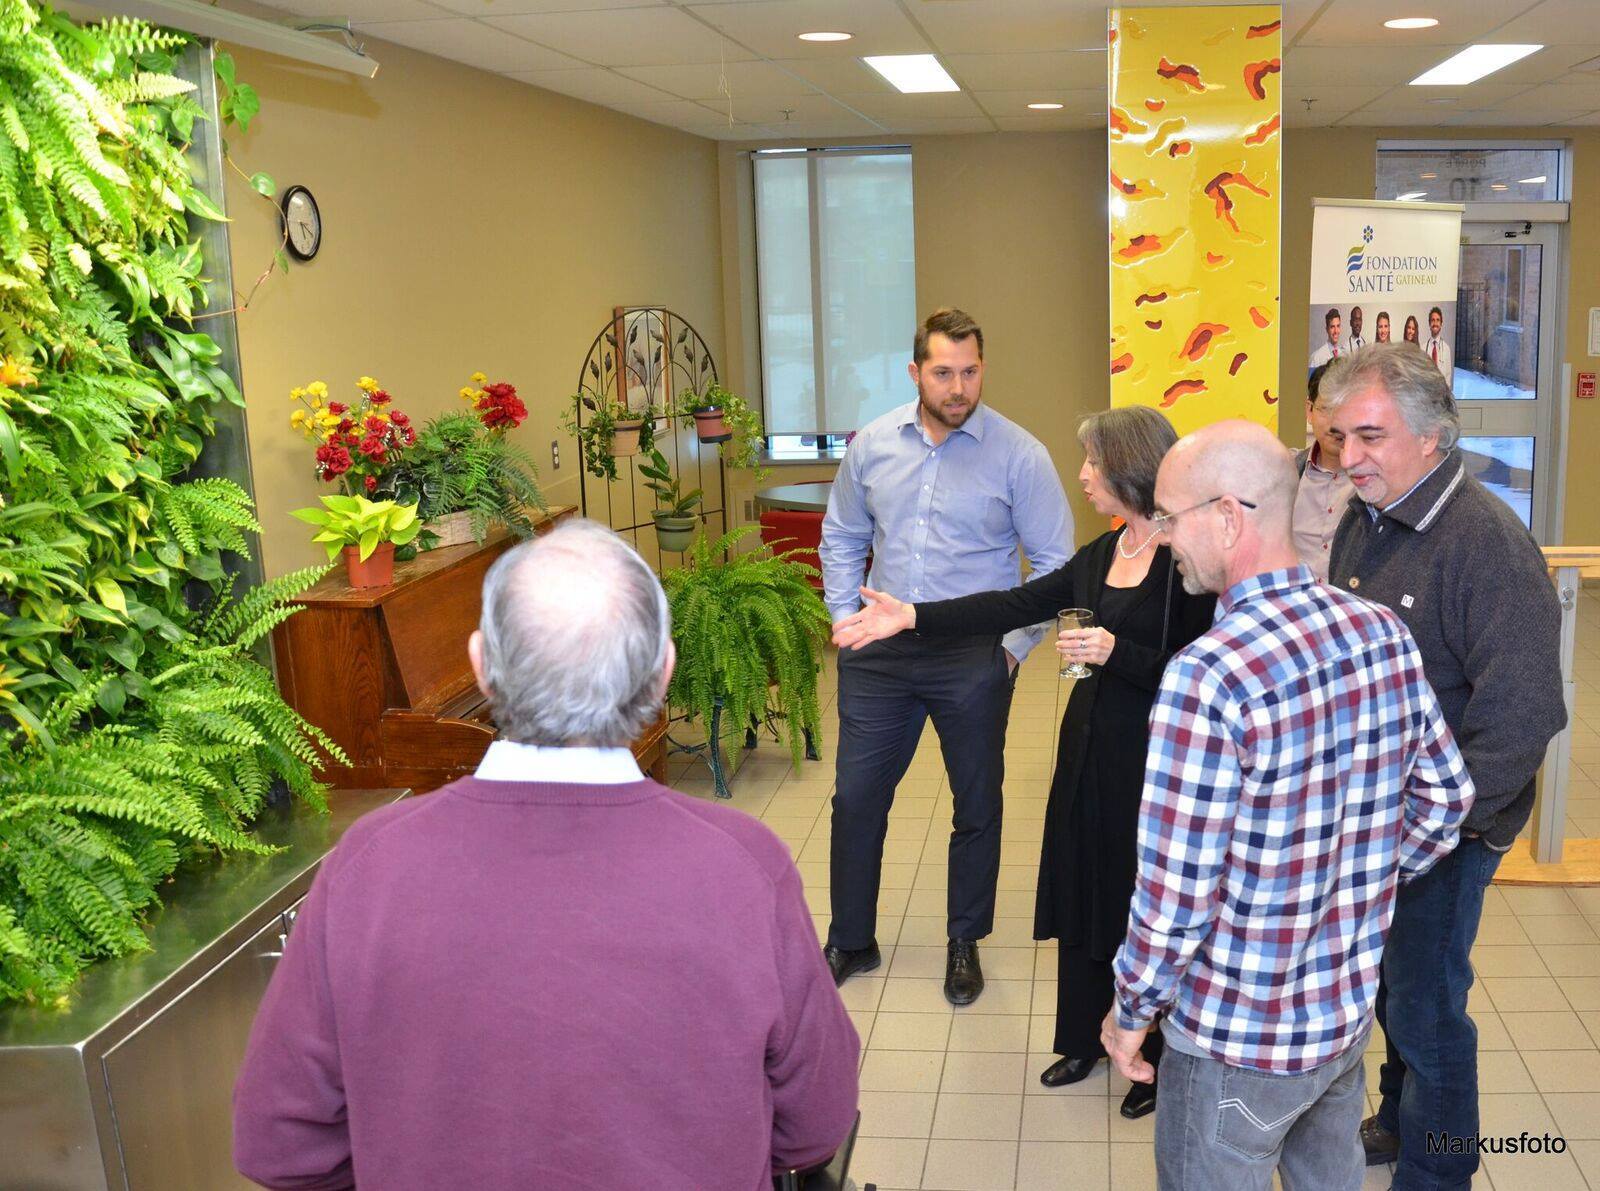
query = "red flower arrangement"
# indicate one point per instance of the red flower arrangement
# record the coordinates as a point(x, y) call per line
point(356, 444)
point(498, 407)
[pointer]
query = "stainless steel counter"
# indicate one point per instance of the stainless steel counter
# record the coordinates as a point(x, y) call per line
point(130, 1086)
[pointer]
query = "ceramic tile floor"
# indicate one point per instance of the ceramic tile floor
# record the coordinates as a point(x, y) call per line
point(950, 1098)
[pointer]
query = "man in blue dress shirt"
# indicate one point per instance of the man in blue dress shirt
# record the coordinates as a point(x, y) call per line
point(946, 495)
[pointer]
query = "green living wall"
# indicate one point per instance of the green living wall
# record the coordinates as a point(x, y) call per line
point(139, 730)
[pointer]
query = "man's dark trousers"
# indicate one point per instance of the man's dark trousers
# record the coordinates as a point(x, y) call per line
point(1429, 1079)
point(887, 692)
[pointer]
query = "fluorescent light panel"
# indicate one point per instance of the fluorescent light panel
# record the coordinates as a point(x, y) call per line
point(826, 36)
point(203, 20)
point(1415, 194)
point(1410, 23)
point(1046, 107)
point(1532, 181)
point(1472, 64)
point(913, 74)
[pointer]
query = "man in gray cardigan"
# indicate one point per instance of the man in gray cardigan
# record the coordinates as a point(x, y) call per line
point(1429, 541)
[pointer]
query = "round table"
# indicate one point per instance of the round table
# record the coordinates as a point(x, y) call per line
point(801, 498)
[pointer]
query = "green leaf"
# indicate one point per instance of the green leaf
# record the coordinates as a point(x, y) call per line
point(90, 611)
point(263, 184)
point(196, 201)
point(111, 696)
point(222, 64)
point(206, 566)
point(110, 593)
point(246, 103)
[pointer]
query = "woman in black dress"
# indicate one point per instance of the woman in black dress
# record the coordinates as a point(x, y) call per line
point(1086, 866)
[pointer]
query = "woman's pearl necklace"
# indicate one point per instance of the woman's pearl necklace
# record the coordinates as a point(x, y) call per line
point(1140, 549)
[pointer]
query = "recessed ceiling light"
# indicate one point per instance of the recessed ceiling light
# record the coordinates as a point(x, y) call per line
point(1446, 99)
point(1498, 186)
point(1472, 64)
point(826, 36)
point(1531, 181)
point(1412, 196)
point(913, 74)
point(1410, 23)
point(1427, 177)
point(1056, 107)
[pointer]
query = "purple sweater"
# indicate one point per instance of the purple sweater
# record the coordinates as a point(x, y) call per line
point(515, 985)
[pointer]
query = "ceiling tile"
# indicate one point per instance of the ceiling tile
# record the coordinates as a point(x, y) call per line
point(592, 85)
point(1360, 23)
point(1004, 72)
point(1324, 66)
point(891, 105)
point(1555, 22)
point(802, 109)
point(508, 8)
point(1555, 60)
point(772, 27)
point(839, 75)
point(1015, 103)
point(917, 127)
point(366, 10)
point(467, 41)
point(1327, 102)
point(843, 125)
point(625, 37)
point(751, 80)
point(1062, 121)
point(976, 27)
point(1501, 119)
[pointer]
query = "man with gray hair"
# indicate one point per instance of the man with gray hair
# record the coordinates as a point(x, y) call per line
point(1270, 849)
point(555, 973)
point(1426, 539)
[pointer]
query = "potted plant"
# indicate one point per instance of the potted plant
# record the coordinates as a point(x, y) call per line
point(610, 431)
point(357, 443)
point(365, 531)
point(463, 473)
point(674, 513)
point(749, 630)
point(720, 415)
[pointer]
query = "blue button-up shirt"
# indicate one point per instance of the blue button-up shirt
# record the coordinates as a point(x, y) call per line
point(943, 520)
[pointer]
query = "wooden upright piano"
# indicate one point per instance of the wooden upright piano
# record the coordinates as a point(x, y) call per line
point(384, 671)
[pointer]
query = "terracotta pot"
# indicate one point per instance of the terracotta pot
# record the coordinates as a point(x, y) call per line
point(377, 571)
point(625, 438)
point(675, 533)
point(454, 529)
point(710, 426)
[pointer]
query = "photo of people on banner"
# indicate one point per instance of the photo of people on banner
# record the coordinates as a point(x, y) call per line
point(1337, 329)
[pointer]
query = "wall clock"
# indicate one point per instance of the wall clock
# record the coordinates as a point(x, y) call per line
point(302, 223)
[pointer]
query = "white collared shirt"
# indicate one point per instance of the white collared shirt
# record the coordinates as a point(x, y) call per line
point(507, 761)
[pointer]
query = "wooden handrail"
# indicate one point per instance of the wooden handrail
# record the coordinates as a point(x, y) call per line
point(1585, 558)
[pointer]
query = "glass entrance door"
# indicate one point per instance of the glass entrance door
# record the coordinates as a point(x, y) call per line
point(1505, 373)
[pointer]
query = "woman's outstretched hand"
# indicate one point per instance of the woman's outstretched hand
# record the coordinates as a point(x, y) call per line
point(883, 616)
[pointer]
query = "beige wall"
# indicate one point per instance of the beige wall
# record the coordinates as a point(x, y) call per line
point(1013, 228)
point(470, 222)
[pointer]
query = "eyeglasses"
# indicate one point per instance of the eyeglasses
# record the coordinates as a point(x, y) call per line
point(1163, 521)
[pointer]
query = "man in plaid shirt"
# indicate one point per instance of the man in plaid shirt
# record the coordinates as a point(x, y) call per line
point(1299, 770)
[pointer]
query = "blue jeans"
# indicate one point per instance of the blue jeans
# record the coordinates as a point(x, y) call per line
point(1224, 1128)
point(1429, 1081)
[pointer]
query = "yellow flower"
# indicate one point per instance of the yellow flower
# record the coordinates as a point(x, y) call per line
point(317, 389)
point(297, 394)
point(298, 418)
point(16, 374)
point(469, 394)
point(367, 385)
point(478, 378)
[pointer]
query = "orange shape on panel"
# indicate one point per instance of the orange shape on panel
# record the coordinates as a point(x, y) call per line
point(1180, 148)
point(1123, 124)
point(1264, 30)
point(1155, 105)
point(1182, 73)
point(1260, 317)
point(1266, 395)
point(1238, 363)
point(1222, 202)
point(1147, 244)
point(1261, 135)
point(1256, 73)
point(1183, 388)
point(1198, 343)
point(1136, 189)
point(1215, 259)
point(1121, 363)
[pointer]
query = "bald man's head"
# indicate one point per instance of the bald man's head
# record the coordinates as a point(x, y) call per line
point(1229, 490)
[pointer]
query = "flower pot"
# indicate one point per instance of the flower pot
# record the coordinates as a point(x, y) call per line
point(625, 438)
point(675, 533)
point(710, 425)
point(376, 571)
point(453, 529)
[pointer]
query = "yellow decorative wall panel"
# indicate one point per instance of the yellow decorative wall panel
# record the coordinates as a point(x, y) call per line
point(1194, 130)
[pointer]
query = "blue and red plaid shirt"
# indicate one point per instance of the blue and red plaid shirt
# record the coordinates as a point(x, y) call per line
point(1299, 770)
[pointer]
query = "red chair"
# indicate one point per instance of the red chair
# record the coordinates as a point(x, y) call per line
point(788, 529)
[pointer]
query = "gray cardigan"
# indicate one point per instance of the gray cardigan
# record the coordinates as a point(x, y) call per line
point(1466, 576)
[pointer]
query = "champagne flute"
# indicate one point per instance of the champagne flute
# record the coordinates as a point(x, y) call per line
point(1074, 618)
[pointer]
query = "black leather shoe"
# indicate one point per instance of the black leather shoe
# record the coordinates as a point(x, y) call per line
point(963, 976)
point(1064, 1071)
point(1139, 1102)
point(845, 964)
point(1380, 1145)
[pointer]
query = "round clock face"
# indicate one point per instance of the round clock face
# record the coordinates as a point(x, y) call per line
point(303, 222)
